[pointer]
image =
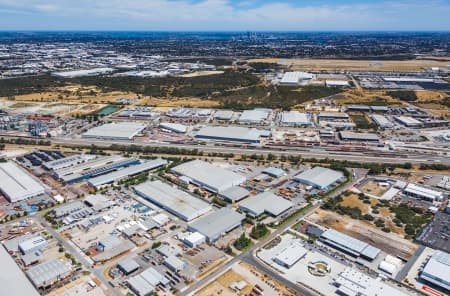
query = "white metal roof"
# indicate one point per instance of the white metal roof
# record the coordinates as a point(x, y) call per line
point(291, 254)
point(254, 116)
point(176, 201)
point(351, 244)
point(176, 127)
point(319, 176)
point(48, 271)
point(425, 192)
point(266, 202)
point(437, 269)
point(347, 135)
point(295, 118)
point(213, 177)
point(217, 223)
point(17, 184)
point(230, 133)
point(119, 130)
point(12, 279)
point(408, 120)
point(295, 77)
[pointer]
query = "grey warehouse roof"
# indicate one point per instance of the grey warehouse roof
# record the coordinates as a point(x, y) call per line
point(17, 184)
point(212, 177)
point(437, 270)
point(120, 130)
point(266, 202)
point(178, 202)
point(12, 279)
point(319, 177)
point(48, 272)
point(235, 193)
point(230, 133)
point(217, 223)
point(351, 244)
point(346, 135)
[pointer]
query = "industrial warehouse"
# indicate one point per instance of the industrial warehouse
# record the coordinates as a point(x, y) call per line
point(295, 118)
point(349, 245)
point(16, 184)
point(358, 137)
point(126, 172)
point(265, 202)
point(208, 176)
point(437, 270)
point(319, 177)
point(93, 167)
point(175, 201)
point(217, 224)
point(115, 131)
point(230, 134)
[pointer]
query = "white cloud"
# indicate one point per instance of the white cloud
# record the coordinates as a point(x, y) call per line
point(222, 15)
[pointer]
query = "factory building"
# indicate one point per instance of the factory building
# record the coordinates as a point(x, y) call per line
point(115, 131)
point(333, 116)
point(173, 127)
point(16, 184)
point(217, 224)
point(319, 177)
point(382, 121)
point(295, 77)
point(358, 137)
point(295, 118)
point(230, 134)
point(437, 270)
point(265, 202)
point(349, 245)
point(66, 162)
point(81, 73)
point(337, 83)
point(255, 116)
point(234, 194)
point(223, 115)
point(409, 121)
point(358, 108)
point(92, 168)
point(423, 193)
point(128, 266)
point(291, 254)
point(209, 176)
point(173, 200)
point(36, 243)
point(49, 272)
point(126, 172)
point(145, 283)
point(194, 239)
point(12, 280)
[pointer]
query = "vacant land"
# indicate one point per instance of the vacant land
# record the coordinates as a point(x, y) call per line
point(354, 65)
point(374, 188)
point(390, 243)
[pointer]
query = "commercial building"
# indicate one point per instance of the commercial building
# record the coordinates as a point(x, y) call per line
point(49, 272)
point(92, 168)
point(337, 83)
point(128, 266)
point(358, 108)
point(349, 245)
point(145, 283)
point(265, 202)
point(224, 115)
point(230, 134)
point(194, 239)
point(423, 193)
point(333, 116)
point(254, 116)
point(209, 176)
point(358, 137)
point(319, 177)
point(295, 77)
point(218, 223)
point(382, 121)
point(174, 264)
point(274, 172)
point(408, 121)
point(36, 243)
point(173, 127)
point(437, 270)
point(290, 255)
point(12, 280)
point(127, 172)
point(81, 73)
point(173, 200)
point(234, 194)
point(16, 184)
point(115, 131)
point(295, 118)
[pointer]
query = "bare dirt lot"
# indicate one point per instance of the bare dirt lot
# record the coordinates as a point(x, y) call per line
point(390, 243)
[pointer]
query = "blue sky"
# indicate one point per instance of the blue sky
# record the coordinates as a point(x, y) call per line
point(224, 15)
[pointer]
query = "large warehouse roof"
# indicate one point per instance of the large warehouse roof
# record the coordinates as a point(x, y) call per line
point(17, 184)
point(349, 244)
point(295, 118)
point(266, 202)
point(48, 272)
point(120, 130)
point(352, 136)
point(319, 177)
point(129, 171)
point(178, 202)
point(295, 77)
point(437, 270)
point(217, 223)
point(12, 279)
point(211, 177)
point(254, 116)
point(230, 133)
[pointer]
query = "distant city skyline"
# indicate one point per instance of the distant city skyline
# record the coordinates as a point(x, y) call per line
point(225, 15)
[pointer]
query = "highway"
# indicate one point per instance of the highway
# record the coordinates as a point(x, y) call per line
point(249, 257)
point(318, 153)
